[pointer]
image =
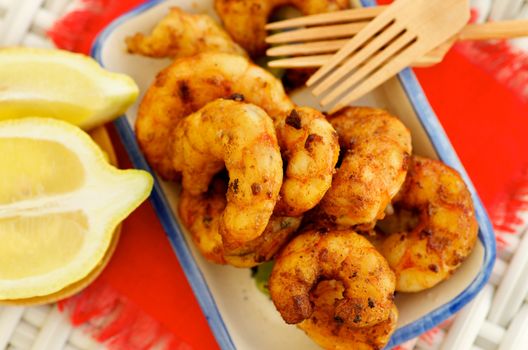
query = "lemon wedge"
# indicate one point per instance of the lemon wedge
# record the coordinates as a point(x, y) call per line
point(60, 201)
point(62, 85)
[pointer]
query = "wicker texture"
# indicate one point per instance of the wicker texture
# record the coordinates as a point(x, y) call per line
point(41, 328)
point(25, 22)
point(496, 319)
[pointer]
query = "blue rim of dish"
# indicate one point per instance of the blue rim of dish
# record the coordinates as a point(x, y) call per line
point(195, 277)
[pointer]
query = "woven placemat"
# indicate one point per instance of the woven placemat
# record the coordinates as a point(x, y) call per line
point(496, 319)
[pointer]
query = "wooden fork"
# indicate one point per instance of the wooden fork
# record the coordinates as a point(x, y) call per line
point(316, 53)
point(406, 30)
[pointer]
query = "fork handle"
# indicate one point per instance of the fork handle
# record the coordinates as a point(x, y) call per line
point(495, 30)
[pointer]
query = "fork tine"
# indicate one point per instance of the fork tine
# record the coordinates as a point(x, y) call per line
point(369, 67)
point(394, 66)
point(358, 40)
point(306, 49)
point(437, 54)
point(358, 58)
point(316, 61)
point(315, 33)
point(300, 62)
point(366, 13)
point(424, 61)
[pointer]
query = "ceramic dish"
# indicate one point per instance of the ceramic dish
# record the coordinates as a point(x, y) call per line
point(239, 315)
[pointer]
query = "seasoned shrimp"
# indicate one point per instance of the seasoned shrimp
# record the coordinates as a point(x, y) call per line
point(202, 214)
point(445, 228)
point(345, 256)
point(312, 151)
point(373, 169)
point(189, 83)
point(181, 34)
point(245, 20)
point(264, 248)
point(242, 138)
point(332, 334)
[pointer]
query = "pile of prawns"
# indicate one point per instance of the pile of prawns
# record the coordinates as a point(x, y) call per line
point(339, 201)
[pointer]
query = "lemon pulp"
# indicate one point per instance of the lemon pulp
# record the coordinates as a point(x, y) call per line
point(40, 174)
point(37, 244)
point(60, 201)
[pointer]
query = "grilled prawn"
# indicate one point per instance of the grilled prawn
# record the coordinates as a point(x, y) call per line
point(241, 138)
point(181, 34)
point(434, 228)
point(332, 333)
point(246, 20)
point(377, 147)
point(345, 256)
point(187, 85)
point(202, 214)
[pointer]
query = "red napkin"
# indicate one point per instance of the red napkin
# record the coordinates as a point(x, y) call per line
point(487, 124)
point(143, 296)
